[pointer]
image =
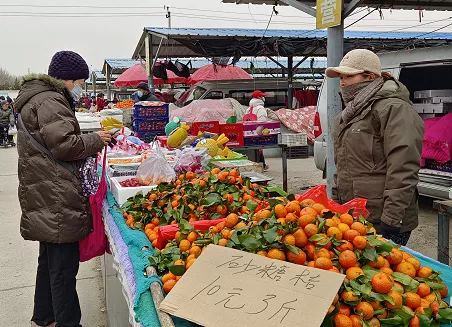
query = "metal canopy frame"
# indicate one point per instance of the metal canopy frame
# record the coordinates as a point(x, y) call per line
point(335, 51)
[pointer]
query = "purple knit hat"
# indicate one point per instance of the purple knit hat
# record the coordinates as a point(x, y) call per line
point(68, 65)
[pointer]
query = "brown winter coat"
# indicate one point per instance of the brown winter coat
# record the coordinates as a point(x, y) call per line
point(377, 156)
point(53, 207)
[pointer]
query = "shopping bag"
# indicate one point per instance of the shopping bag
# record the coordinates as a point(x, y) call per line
point(12, 130)
point(96, 243)
point(155, 169)
point(320, 195)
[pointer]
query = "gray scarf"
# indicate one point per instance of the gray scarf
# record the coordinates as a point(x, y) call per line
point(358, 95)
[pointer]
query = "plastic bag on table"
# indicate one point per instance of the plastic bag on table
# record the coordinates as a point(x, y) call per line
point(155, 169)
point(320, 195)
point(191, 159)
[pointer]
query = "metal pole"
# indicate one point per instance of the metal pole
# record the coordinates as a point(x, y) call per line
point(289, 79)
point(335, 52)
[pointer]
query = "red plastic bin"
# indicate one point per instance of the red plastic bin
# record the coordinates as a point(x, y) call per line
point(205, 126)
point(235, 134)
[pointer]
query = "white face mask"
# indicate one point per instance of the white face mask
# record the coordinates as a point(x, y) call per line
point(77, 92)
point(140, 94)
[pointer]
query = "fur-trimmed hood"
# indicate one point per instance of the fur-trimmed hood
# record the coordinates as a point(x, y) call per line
point(38, 83)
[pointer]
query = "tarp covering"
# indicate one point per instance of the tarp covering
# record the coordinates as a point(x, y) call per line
point(213, 72)
point(137, 74)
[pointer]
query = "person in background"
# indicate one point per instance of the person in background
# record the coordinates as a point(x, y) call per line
point(7, 119)
point(377, 145)
point(257, 111)
point(54, 211)
point(144, 94)
point(100, 102)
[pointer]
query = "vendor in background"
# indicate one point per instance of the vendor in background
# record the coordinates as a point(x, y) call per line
point(7, 119)
point(377, 145)
point(143, 93)
point(257, 112)
point(100, 102)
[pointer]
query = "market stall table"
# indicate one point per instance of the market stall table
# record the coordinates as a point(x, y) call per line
point(256, 149)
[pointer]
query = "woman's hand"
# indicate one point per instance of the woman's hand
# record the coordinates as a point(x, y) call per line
point(105, 136)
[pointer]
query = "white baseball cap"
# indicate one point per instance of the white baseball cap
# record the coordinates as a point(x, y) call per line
point(356, 62)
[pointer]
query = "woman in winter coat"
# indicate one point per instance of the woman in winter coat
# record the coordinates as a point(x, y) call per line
point(377, 145)
point(54, 211)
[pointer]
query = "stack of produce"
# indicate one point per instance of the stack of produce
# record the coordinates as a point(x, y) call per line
point(384, 285)
point(126, 104)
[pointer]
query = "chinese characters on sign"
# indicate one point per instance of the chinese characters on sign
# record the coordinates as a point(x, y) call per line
point(328, 13)
point(236, 288)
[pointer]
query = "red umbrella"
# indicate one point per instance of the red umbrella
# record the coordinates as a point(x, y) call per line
point(137, 74)
point(218, 72)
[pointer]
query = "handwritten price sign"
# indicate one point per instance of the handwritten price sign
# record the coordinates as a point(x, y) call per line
point(228, 288)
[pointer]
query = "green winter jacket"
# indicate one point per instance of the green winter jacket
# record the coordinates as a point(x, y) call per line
point(378, 155)
point(7, 117)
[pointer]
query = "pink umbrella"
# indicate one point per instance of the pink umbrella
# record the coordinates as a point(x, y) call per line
point(137, 74)
point(218, 72)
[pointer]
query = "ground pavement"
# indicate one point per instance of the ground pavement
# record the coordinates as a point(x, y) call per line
point(18, 261)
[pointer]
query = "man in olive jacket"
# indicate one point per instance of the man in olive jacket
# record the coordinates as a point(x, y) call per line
point(54, 211)
point(377, 145)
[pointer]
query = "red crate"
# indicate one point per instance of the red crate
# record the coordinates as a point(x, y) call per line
point(163, 139)
point(234, 132)
point(205, 126)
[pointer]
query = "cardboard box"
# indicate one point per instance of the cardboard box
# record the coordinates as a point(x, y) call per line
point(261, 128)
point(205, 126)
point(234, 132)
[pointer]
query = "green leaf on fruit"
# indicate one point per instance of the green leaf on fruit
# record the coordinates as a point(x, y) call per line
point(270, 235)
point(317, 237)
point(211, 200)
point(178, 270)
point(370, 254)
point(293, 249)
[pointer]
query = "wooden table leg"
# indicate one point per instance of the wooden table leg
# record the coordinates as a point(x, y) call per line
point(284, 167)
point(443, 237)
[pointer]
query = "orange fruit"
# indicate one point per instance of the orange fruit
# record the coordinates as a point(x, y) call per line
point(190, 263)
point(291, 218)
point(398, 301)
point(240, 225)
point(356, 321)
point(334, 231)
point(318, 207)
point(222, 242)
point(288, 239)
point(168, 286)
point(280, 211)
point(354, 272)
point(360, 242)
point(305, 220)
point(424, 272)
point(412, 300)
point(383, 315)
point(445, 292)
point(350, 234)
point(374, 322)
point(415, 322)
point(167, 277)
point(343, 227)
point(311, 230)
point(301, 239)
point(387, 271)
point(298, 259)
point(365, 309)
point(310, 250)
point(330, 222)
point(281, 221)
point(347, 259)
point(196, 250)
point(192, 236)
point(307, 203)
point(415, 262)
point(263, 214)
point(336, 299)
point(184, 245)
point(349, 296)
point(346, 219)
point(406, 268)
point(346, 245)
point(395, 257)
point(344, 309)
point(381, 283)
point(380, 263)
point(341, 320)
point(231, 220)
point(406, 255)
point(359, 227)
point(276, 254)
point(430, 298)
point(435, 307)
point(323, 263)
point(423, 290)
point(262, 253)
point(179, 263)
point(307, 211)
point(323, 253)
point(294, 207)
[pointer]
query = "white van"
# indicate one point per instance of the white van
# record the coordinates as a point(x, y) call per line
point(419, 69)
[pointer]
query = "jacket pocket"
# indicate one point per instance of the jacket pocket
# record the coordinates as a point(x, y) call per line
point(360, 148)
point(369, 188)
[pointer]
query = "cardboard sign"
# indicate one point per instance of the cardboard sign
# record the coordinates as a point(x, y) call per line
point(329, 13)
point(227, 288)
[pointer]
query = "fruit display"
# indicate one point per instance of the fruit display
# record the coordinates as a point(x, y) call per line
point(124, 161)
point(110, 123)
point(131, 182)
point(126, 104)
point(384, 285)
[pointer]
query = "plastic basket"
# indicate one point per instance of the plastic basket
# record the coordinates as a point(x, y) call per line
point(149, 136)
point(434, 165)
point(261, 140)
point(299, 139)
point(149, 125)
point(298, 152)
point(151, 112)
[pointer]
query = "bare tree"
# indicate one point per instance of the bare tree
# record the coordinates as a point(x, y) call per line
point(8, 81)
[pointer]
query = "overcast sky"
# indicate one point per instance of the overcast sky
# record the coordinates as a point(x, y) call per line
point(31, 31)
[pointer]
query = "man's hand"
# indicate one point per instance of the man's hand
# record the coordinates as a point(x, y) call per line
point(105, 136)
